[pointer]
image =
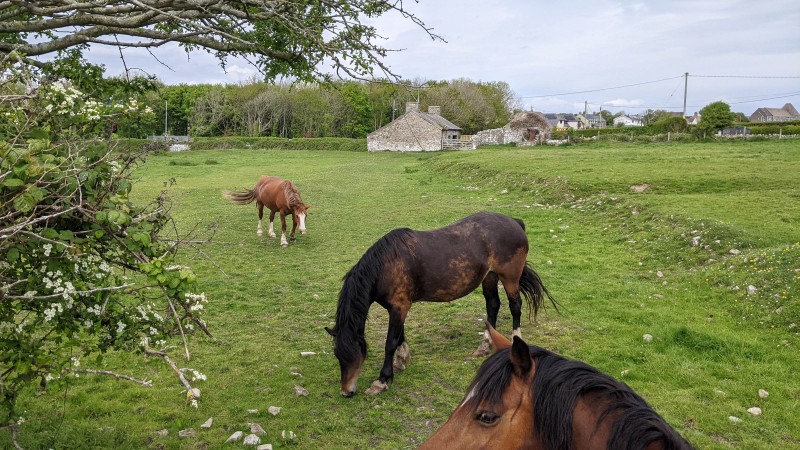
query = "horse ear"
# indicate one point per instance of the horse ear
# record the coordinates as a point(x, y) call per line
point(521, 357)
point(331, 332)
point(498, 340)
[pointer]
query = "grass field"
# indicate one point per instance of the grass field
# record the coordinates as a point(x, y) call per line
point(621, 263)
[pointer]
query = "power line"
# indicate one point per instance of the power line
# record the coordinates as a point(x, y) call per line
point(741, 76)
point(602, 89)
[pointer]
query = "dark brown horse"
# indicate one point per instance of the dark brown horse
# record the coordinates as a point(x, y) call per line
point(278, 195)
point(525, 397)
point(407, 266)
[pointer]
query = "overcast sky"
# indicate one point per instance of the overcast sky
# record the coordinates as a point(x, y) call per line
point(557, 55)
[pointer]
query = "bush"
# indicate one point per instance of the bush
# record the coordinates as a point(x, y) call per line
point(275, 143)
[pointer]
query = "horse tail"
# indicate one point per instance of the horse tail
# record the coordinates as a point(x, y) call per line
point(532, 288)
point(240, 198)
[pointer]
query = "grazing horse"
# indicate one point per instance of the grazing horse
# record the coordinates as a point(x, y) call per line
point(525, 397)
point(407, 266)
point(278, 195)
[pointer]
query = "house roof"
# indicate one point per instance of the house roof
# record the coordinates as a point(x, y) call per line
point(436, 119)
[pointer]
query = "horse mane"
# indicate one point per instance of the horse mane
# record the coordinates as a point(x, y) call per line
point(357, 294)
point(293, 198)
point(558, 384)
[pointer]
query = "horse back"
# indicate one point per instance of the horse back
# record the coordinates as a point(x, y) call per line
point(449, 262)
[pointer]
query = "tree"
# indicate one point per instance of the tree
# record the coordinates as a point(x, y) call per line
point(84, 269)
point(715, 116)
point(295, 38)
point(609, 117)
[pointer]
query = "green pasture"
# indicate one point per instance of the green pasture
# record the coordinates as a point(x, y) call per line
point(621, 263)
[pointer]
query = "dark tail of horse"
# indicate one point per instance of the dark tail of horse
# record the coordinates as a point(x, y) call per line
point(531, 287)
point(240, 198)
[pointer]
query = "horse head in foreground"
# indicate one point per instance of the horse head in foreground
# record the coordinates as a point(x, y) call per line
point(278, 195)
point(525, 397)
point(441, 265)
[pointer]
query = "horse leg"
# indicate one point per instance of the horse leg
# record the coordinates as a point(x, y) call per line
point(271, 232)
point(394, 337)
point(259, 231)
point(514, 303)
point(284, 242)
point(402, 356)
point(294, 227)
point(489, 287)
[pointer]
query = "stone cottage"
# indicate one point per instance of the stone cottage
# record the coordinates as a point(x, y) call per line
point(788, 112)
point(414, 131)
point(525, 128)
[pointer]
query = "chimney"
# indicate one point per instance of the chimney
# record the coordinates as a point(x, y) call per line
point(435, 110)
point(412, 106)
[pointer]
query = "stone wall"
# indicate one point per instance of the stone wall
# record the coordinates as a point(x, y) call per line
point(409, 133)
point(497, 136)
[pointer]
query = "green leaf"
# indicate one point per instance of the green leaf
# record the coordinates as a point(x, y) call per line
point(24, 203)
point(13, 183)
point(12, 254)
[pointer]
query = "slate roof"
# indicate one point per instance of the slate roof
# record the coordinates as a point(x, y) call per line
point(438, 120)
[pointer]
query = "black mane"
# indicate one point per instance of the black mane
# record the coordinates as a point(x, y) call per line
point(558, 384)
point(357, 295)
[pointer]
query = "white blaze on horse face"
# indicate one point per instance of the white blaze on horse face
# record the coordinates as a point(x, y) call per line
point(469, 396)
point(302, 219)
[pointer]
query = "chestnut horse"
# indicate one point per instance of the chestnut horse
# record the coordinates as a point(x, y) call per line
point(525, 397)
point(442, 265)
point(278, 195)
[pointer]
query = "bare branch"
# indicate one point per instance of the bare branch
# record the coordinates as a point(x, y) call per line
point(178, 372)
point(145, 383)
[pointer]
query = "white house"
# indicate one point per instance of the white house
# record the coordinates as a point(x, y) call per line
point(628, 121)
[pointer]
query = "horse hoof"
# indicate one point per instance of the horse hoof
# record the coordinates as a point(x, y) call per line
point(284, 245)
point(272, 235)
point(259, 233)
point(398, 366)
point(292, 239)
point(376, 388)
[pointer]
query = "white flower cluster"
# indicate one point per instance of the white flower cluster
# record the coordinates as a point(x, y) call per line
point(199, 300)
point(146, 311)
point(55, 282)
point(62, 99)
point(197, 376)
point(132, 106)
point(49, 313)
point(92, 266)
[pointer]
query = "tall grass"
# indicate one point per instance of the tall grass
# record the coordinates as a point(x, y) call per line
point(622, 264)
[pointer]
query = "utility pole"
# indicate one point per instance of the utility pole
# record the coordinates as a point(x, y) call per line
point(585, 107)
point(166, 103)
point(685, 88)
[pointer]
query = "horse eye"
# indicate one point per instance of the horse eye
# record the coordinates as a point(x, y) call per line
point(487, 418)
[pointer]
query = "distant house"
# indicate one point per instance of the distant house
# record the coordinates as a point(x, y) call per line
point(592, 120)
point(628, 121)
point(415, 131)
point(775, 114)
point(694, 119)
point(563, 121)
